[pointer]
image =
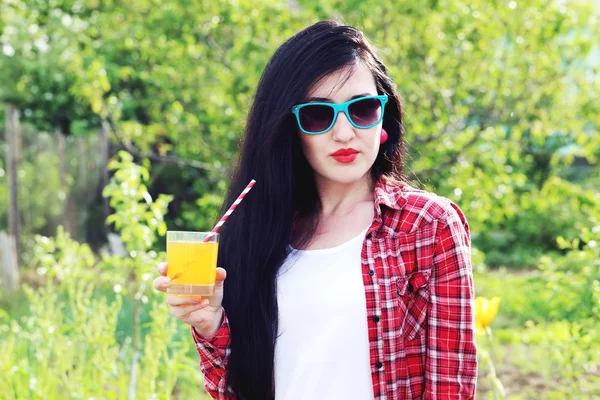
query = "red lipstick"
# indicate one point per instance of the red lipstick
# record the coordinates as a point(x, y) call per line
point(345, 156)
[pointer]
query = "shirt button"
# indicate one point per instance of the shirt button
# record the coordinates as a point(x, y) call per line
point(371, 272)
point(379, 365)
point(376, 318)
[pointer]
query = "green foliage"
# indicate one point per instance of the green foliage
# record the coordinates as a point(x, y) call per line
point(140, 221)
point(576, 276)
point(41, 197)
point(137, 216)
point(558, 209)
point(37, 173)
point(65, 344)
point(550, 360)
point(499, 96)
point(61, 346)
point(566, 287)
point(65, 347)
point(64, 259)
point(549, 322)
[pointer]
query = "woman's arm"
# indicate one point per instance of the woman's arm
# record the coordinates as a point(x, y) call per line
point(451, 363)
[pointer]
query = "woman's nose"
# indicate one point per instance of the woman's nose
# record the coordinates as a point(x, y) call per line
point(343, 131)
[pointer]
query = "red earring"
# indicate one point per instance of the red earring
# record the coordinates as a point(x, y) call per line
point(384, 136)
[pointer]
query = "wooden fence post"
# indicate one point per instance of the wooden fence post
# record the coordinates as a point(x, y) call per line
point(69, 215)
point(12, 249)
point(9, 271)
point(105, 151)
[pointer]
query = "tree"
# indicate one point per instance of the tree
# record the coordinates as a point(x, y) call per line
point(500, 97)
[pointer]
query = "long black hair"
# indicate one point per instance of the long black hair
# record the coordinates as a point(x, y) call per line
point(255, 238)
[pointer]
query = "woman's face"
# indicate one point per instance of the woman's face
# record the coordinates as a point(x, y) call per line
point(320, 149)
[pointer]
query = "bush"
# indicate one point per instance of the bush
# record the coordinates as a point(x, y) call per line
point(82, 334)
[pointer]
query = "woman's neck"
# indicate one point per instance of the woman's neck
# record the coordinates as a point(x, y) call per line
point(342, 198)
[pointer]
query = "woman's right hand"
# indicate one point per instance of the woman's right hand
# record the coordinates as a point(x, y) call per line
point(204, 313)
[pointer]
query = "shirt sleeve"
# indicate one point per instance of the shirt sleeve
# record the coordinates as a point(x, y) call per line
point(451, 364)
point(214, 353)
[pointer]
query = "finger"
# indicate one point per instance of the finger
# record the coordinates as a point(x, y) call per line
point(177, 301)
point(183, 312)
point(162, 268)
point(217, 298)
point(162, 283)
point(221, 275)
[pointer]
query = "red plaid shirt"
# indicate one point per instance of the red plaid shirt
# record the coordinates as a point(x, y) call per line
point(416, 262)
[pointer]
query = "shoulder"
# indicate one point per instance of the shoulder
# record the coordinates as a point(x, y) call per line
point(412, 208)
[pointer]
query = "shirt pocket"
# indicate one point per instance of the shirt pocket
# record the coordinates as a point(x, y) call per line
point(412, 292)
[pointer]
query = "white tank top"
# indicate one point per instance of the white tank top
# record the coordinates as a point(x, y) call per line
point(322, 350)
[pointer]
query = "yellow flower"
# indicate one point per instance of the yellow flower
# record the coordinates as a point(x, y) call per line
point(485, 312)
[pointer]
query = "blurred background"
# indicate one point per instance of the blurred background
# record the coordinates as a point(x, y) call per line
point(122, 119)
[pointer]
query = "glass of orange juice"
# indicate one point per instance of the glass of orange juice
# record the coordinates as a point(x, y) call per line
point(192, 263)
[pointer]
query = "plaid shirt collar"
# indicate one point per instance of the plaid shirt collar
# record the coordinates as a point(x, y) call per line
point(393, 195)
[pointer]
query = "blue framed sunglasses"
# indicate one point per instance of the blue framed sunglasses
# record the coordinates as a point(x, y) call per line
point(317, 118)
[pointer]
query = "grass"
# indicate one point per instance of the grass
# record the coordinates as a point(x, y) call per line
point(538, 355)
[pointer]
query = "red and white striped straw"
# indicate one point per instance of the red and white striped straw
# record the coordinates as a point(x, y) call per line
point(230, 211)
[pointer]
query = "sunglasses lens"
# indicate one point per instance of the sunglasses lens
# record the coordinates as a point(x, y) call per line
point(365, 112)
point(315, 118)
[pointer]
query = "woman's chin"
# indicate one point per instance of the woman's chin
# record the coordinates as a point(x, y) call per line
point(346, 175)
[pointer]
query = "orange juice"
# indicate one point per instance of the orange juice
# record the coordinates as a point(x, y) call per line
point(191, 263)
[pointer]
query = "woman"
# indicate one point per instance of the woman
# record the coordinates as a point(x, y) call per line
point(343, 282)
